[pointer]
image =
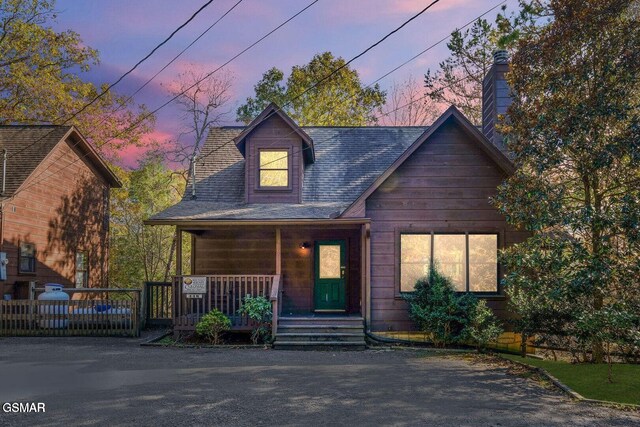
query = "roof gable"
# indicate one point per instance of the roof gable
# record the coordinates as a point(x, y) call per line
point(22, 159)
point(350, 164)
point(348, 160)
point(29, 145)
point(451, 114)
point(91, 155)
point(274, 109)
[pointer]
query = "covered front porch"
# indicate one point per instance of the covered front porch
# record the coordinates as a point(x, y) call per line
point(305, 268)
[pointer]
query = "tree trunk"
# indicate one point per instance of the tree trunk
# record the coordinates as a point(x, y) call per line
point(523, 344)
point(598, 349)
point(610, 370)
point(591, 184)
point(167, 270)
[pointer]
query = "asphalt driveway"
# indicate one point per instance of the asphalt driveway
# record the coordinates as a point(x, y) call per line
point(106, 381)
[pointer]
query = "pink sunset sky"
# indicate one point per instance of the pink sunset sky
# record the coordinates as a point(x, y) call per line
point(124, 31)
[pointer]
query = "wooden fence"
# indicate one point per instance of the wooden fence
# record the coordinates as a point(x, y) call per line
point(158, 303)
point(99, 315)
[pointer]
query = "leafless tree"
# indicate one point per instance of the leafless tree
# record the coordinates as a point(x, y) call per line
point(203, 102)
point(408, 105)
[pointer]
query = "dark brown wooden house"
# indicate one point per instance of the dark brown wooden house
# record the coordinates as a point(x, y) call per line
point(334, 224)
point(54, 209)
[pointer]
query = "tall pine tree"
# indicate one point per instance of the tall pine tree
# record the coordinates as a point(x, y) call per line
point(574, 131)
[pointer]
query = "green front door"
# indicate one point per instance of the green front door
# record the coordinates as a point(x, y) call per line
point(330, 266)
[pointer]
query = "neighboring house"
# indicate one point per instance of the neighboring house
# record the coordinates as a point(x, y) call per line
point(347, 217)
point(55, 209)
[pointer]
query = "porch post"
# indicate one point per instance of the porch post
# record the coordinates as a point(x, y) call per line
point(276, 287)
point(366, 273)
point(178, 251)
point(278, 252)
point(363, 272)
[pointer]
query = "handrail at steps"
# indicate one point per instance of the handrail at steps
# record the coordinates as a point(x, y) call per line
point(275, 303)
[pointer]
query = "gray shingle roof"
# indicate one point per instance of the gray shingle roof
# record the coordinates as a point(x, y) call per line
point(348, 160)
point(207, 210)
point(20, 164)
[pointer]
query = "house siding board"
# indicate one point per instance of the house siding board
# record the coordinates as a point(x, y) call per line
point(273, 134)
point(235, 251)
point(60, 215)
point(450, 193)
point(252, 251)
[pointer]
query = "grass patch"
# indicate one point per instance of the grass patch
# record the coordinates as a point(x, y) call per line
point(168, 340)
point(590, 380)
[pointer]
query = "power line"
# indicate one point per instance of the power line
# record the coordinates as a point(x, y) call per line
point(336, 70)
point(204, 6)
point(183, 51)
point(149, 80)
point(432, 46)
point(405, 63)
point(130, 97)
point(332, 73)
point(100, 95)
point(380, 116)
point(144, 117)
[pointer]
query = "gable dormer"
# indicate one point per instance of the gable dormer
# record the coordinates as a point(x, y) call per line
point(276, 150)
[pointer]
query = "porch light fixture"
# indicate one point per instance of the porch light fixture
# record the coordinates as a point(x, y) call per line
point(304, 245)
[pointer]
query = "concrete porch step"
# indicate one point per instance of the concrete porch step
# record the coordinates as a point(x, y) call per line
point(324, 345)
point(320, 337)
point(320, 332)
point(321, 328)
point(321, 317)
point(322, 321)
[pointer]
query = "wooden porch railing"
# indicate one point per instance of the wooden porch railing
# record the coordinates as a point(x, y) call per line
point(276, 304)
point(223, 292)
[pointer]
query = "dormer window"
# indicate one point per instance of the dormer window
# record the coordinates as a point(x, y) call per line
point(273, 170)
point(276, 151)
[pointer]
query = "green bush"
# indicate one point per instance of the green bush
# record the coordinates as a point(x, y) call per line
point(439, 311)
point(212, 325)
point(484, 326)
point(258, 309)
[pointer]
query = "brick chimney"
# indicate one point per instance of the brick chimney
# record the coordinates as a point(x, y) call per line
point(495, 97)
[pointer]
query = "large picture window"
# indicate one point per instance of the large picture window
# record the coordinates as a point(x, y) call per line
point(449, 256)
point(274, 169)
point(469, 260)
point(415, 259)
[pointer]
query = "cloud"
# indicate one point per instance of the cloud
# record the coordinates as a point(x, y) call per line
point(382, 11)
point(155, 140)
point(124, 31)
point(414, 6)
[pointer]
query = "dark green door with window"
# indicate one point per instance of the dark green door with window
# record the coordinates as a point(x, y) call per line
point(330, 267)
